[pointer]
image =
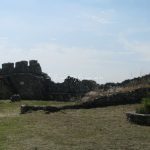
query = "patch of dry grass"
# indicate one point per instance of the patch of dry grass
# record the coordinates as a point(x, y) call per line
point(84, 129)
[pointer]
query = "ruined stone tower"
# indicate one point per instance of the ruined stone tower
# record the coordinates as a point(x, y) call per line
point(25, 79)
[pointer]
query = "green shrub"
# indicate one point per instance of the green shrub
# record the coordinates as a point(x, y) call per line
point(145, 107)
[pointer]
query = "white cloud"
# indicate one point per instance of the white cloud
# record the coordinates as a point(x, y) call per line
point(60, 61)
point(102, 17)
point(99, 19)
point(141, 49)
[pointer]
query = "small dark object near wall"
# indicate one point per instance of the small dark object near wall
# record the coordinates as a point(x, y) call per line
point(15, 98)
point(141, 119)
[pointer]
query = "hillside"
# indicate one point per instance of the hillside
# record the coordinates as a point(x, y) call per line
point(110, 89)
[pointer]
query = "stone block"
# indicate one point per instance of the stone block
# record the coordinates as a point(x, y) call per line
point(7, 68)
point(21, 67)
point(34, 67)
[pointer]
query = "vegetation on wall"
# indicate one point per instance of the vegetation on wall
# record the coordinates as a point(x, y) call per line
point(145, 106)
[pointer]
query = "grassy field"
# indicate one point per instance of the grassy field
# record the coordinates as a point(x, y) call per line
point(93, 129)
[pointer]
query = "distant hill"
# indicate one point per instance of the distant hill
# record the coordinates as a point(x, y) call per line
point(126, 86)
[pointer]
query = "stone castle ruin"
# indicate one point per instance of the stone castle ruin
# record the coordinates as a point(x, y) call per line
point(21, 78)
point(21, 67)
point(28, 80)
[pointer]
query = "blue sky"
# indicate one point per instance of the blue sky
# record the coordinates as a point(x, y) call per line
point(104, 40)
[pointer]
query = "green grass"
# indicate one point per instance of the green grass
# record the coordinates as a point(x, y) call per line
point(91, 129)
point(144, 107)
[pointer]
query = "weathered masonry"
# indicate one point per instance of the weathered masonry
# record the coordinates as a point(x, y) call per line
point(27, 79)
point(21, 78)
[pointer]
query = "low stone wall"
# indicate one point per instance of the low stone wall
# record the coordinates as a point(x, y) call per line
point(141, 119)
point(113, 100)
point(25, 108)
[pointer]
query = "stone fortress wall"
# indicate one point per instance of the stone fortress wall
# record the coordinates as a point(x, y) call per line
point(28, 80)
point(21, 67)
point(23, 78)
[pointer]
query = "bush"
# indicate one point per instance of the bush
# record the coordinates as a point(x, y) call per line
point(145, 107)
point(15, 98)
